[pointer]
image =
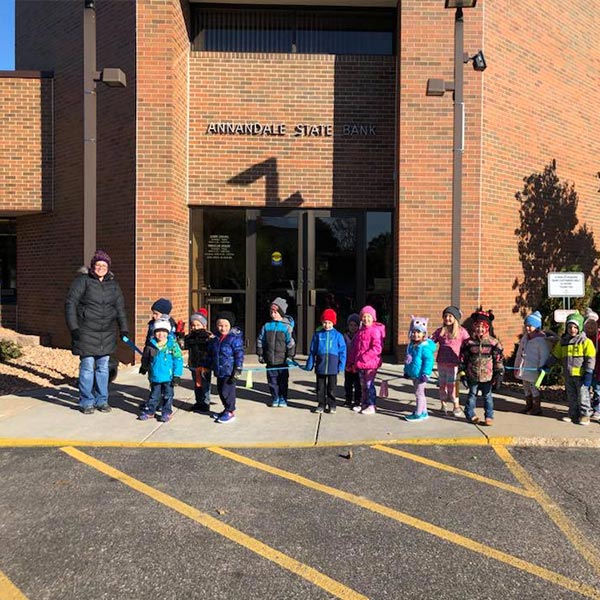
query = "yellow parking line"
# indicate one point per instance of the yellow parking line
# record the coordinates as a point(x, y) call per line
point(455, 470)
point(283, 560)
point(454, 538)
point(577, 539)
point(8, 590)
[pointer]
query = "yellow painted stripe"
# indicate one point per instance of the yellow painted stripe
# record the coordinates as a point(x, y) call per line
point(456, 471)
point(444, 534)
point(8, 591)
point(577, 539)
point(315, 577)
point(59, 443)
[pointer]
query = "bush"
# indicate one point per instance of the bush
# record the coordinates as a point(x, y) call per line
point(9, 349)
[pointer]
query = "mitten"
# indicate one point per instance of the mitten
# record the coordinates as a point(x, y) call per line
point(261, 360)
point(125, 334)
point(176, 380)
point(143, 371)
point(75, 335)
point(497, 380)
point(424, 378)
point(587, 379)
point(180, 328)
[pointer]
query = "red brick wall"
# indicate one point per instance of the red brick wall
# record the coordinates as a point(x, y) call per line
point(49, 37)
point(336, 171)
point(162, 235)
point(25, 143)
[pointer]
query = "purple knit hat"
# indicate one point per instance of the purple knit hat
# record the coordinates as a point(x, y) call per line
point(100, 255)
point(368, 310)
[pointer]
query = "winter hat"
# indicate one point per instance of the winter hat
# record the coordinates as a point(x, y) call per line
point(163, 306)
point(353, 318)
point(368, 310)
point(422, 327)
point(329, 315)
point(589, 315)
point(576, 319)
point(482, 316)
point(227, 316)
point(162, 324)
point(454, 311)
point(198, 316)
point(281, 305)
point(100, 255)
point(534, 319)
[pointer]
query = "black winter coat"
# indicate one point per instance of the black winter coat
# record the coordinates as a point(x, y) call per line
point(94, 307)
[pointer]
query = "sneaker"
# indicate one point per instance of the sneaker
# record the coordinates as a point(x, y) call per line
point(318, 410)
point(489, 422)
point(165, 418)
point(275, 403)
point(566, 419)
point(473, 420)
point(457, 412)
point(282, 403)
point(584, 420)
point(217, 416)
point(596, 416)
point(104, 408)
point(226, 417)
point(357, 408)
point(332, 408)
point(88, 410)
point(145, 416)
point(370, 410)
point(415, 418)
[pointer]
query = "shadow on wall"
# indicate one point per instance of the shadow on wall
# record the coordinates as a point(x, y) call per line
point(268, 170)
point(550, 239)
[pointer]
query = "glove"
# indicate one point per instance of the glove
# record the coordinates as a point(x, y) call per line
point(424, 378)
point(125, 334)
point(176, 380)
point(587, 379)
point(545, 369)
point(234, 376)
point(261, 360)
point(497, 380)
point(180, 328)
point(143, 371)
point(75, 335)
point(464, 380)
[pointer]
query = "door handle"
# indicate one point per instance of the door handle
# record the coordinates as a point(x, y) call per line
point(312, 297)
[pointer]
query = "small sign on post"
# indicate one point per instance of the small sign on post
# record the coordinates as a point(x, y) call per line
point(566, 285)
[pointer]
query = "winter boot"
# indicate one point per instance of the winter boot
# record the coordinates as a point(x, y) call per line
point(528, 405)
point(536, 409)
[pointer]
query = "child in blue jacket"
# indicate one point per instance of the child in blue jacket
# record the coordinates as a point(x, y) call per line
point(163, 361)
point(226, 351)
point(328, 355)
point(418, 366)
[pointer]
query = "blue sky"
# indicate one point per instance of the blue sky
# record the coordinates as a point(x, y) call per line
point(7, 35)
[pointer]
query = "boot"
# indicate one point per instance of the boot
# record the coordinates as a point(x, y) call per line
point(528, 405)
point(536, 409)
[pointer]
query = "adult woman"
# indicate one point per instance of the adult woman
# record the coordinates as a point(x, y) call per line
point(93, 306)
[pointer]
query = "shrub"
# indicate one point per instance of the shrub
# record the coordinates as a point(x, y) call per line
point(9, 349)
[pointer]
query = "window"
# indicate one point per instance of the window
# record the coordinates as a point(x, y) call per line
point(307, 31)
point(8, 261)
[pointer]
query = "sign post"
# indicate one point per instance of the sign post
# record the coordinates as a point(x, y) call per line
point(565, 285)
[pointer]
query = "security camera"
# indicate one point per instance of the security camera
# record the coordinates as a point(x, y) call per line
point(479, 63)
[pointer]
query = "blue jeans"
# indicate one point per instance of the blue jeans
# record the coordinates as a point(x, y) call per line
point(93, 381)
point(160, 391)
point(486, 392)
point(202, 394)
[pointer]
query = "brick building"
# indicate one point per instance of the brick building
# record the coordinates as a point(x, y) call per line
point(290, 149)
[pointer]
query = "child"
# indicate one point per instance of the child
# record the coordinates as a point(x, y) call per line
point(328, 355)
point(274, 346)
point(481, 365)
point(161, 310)
point(590, 326)
point(226, 351)
point(351, 380)
point(579, 359)
point(163, 362)
point(532, 355)
point(365, 356)
point(198, 359)
point(450, 337)
point(418, 366)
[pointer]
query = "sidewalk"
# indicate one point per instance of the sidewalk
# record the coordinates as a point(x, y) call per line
point(50, 417)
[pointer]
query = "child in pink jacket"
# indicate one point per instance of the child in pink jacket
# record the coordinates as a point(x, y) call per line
point(364, 355)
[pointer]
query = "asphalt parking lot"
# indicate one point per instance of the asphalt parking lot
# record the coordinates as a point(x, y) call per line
point(386, 521)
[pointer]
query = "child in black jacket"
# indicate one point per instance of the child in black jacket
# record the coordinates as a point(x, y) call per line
point(198, 359)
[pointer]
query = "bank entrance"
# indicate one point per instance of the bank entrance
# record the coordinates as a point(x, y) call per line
point(314, 259)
